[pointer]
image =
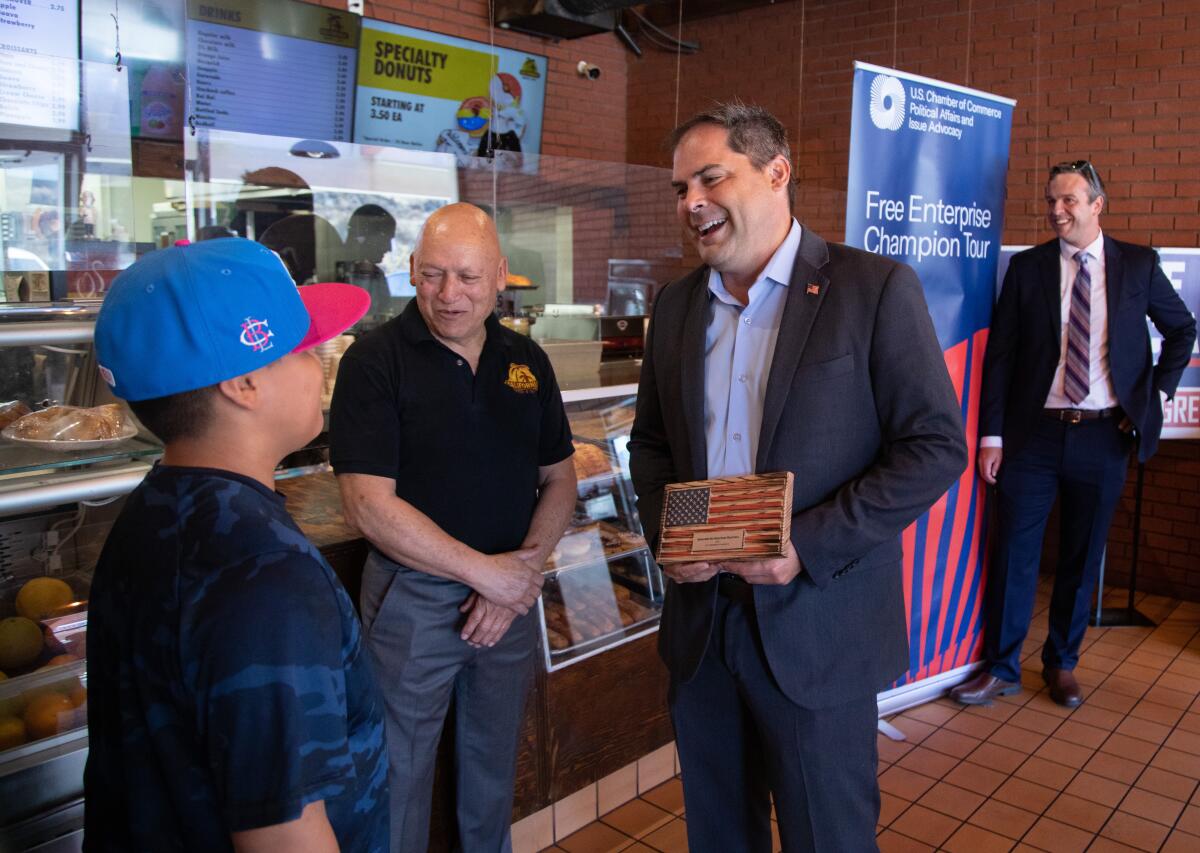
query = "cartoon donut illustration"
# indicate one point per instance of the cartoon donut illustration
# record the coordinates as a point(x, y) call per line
point(473, 115)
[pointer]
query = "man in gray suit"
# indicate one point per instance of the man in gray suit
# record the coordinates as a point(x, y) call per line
point(784, 352)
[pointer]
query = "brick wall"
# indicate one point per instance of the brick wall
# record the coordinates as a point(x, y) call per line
point(1115, 82)
point(1169, 555)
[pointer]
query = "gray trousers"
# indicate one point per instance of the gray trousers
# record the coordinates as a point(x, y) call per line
point(411, 624)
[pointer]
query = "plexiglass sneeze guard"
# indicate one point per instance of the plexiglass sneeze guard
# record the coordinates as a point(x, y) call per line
point(583, 238)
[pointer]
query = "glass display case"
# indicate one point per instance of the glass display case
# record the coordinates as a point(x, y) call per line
point(603, 587)
point(46, 563)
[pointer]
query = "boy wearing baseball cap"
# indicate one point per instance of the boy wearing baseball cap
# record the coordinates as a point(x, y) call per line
point(230, 704)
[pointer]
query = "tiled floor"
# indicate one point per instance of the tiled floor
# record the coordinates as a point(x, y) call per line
point(1118, 773)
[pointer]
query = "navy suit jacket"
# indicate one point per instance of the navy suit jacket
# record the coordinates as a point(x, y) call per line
point(859, 406)
point(1025, 341)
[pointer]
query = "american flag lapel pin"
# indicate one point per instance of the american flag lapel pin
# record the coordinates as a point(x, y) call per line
point(813, 289)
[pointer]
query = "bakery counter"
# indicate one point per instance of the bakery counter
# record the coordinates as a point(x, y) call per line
point(598, 702)
point(314, 501)
point(599, 697)
point(612, 375)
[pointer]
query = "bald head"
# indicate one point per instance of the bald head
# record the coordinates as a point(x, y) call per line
point(460, 223)
point(457, 270)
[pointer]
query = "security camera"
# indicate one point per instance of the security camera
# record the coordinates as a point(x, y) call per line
point(586, 69)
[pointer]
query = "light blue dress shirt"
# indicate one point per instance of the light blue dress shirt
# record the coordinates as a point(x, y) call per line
point(738, 347)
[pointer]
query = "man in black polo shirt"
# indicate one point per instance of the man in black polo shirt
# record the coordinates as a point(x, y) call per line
point(452, 452)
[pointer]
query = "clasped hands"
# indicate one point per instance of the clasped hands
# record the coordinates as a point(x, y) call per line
point(778, 570)
point(506, 588)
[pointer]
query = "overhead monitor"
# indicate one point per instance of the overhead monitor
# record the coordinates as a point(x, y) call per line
point(39, 68)
point(418, 89)
point(276, 67)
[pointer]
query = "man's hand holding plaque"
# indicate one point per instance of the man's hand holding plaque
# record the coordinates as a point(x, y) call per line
point(777, 570)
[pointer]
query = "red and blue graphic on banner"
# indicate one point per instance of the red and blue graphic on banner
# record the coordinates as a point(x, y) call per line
point(928, 165)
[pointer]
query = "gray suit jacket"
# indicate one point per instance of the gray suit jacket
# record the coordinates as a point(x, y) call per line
point(859, 406)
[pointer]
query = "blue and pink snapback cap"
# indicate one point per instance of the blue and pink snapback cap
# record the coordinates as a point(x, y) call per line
point(197, 314)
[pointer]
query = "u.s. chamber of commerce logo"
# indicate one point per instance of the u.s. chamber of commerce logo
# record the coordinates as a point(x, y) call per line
point(887, 102)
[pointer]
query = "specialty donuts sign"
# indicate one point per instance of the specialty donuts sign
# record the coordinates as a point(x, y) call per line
point(423, 90)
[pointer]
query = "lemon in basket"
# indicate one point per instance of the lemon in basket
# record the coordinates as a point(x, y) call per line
point(20, 642)
point(12, 732)
point(42, 596)
point(47, 715)
point(12, 705)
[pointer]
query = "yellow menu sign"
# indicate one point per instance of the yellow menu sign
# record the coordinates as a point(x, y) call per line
point(434, 92)
point(405, 64)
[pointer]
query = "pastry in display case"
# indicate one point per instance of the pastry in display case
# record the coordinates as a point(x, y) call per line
point(72, 427)
point(603, 586)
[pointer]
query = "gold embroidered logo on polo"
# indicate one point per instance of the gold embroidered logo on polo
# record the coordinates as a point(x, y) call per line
point(521, 379)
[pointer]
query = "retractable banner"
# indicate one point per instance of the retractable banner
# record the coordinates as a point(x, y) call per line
point(928, 164)
point(1181, 414)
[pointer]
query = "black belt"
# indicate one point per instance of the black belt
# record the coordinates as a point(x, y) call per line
point(734, 588)
point(1074, 416)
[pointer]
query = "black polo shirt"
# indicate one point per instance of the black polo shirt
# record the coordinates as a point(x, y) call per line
point(463, 448)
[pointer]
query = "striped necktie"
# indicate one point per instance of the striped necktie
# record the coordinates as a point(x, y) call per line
point(1077, 376)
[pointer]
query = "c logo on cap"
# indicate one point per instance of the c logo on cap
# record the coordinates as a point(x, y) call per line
point(256, 334)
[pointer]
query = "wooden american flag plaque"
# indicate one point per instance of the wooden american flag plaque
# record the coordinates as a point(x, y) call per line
point(729, 518)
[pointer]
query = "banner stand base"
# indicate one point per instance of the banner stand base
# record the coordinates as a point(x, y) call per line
point(1121, 617)
point(891, 731)
point(915, 693)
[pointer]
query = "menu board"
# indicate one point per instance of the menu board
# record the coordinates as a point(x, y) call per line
point(418, 89)
point(39, 69)
point(271, 66)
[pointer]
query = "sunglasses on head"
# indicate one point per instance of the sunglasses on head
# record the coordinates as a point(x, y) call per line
point(1083, 166)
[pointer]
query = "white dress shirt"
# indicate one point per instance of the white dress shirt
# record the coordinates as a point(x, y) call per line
point(1101, 394)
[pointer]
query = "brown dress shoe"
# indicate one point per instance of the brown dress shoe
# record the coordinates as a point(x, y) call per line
point(982, 689)
point(1064, 689)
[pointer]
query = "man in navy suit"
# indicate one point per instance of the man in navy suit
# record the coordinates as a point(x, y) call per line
point(1069, 385)
point(786, 353)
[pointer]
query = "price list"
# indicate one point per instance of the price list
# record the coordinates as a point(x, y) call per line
point(39, 68)
point(263, 82)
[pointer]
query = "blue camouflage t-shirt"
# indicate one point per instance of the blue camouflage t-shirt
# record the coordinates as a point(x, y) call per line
point(227, 684)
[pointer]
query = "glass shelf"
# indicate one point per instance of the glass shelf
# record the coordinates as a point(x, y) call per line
point(21, 459)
